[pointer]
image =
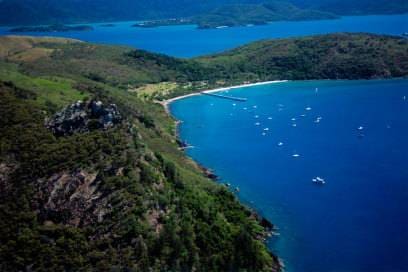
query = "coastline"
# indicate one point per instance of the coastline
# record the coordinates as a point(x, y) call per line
point(167, 102)
point(263, 221)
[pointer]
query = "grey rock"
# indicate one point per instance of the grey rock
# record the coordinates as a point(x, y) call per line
point(82, 117)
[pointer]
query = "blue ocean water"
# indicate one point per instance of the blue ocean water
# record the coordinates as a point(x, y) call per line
point(188, 41)
point(358, 220)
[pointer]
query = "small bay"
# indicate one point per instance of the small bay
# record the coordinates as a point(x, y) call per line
point(357, 220)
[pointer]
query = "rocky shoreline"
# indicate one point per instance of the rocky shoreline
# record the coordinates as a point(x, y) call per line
point(269, 227)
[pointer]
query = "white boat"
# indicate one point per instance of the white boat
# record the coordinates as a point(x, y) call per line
point(308, 108)
point(293, 119)
point(257, 124)
point(256, 116)
point(280, 144)
point(360, 128)
point(269, 118)
point(266, 129)
point(296, 155)
point(294, 125)
point(319, 180)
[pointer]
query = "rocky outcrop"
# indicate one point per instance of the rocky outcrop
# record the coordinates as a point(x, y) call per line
point(72, 198)
point(154, 218)
point(5, 171)
point(84, 116)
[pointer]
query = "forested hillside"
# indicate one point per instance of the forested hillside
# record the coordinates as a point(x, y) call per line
point(106, 196)
point(332, 56)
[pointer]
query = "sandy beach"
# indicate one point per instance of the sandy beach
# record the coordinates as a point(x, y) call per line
point(167, 102)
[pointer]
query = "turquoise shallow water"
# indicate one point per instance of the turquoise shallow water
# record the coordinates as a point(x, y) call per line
point(188, 41)
point(358, 220)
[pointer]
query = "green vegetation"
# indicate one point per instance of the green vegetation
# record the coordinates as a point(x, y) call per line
point(149, 91)
point(333, 56)
point(51, 90)
point(127, 198)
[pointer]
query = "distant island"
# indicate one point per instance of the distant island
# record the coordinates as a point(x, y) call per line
point(245, 15)
point(52, 28)
point(165, 22)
